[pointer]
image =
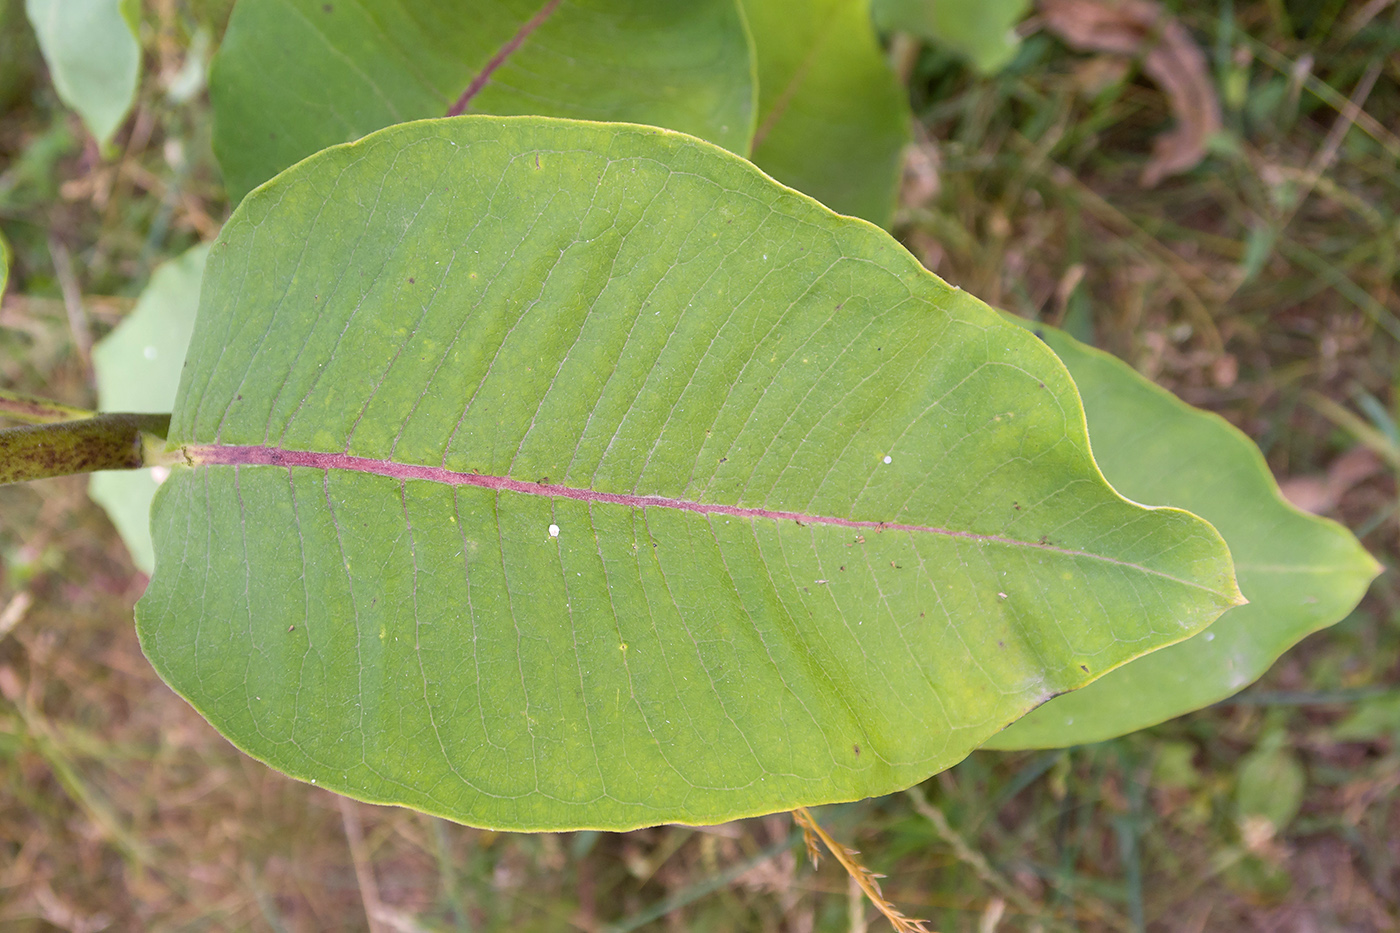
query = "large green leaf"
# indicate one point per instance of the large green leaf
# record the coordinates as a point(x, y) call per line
point(138, 370)
point(1299, 572)
point(547, 474)
point(980, 31)
point(295, 76)
point(832, 119)
point(93, 57)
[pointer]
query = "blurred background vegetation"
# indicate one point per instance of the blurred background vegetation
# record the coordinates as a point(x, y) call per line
point(1260, 284)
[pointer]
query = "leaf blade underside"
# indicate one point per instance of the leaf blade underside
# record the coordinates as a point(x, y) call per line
point(833, 120)
point(295, 76)
point(588, 325)
point(1300, 572)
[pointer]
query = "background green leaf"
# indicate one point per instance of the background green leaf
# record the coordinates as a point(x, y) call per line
point(295, 76)
point(832, 119)
point(18, 53)
point(138, 370)
point(1371, 719)
point(4, 263)
point(980, 31)
point(1271, 783)
point(867, 530)
point(93, 57)
point(1300, 572)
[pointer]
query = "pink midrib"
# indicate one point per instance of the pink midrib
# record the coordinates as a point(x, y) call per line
point(229, 455)
point(499, 59)
point(259, 455)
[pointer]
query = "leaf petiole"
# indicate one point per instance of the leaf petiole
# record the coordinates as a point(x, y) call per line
point(102, 442)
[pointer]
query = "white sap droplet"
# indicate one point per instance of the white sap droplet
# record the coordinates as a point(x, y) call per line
point(149, 353)
point(889, 459)
point(1210, 636)
point(160, 474)
point(554, 531)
